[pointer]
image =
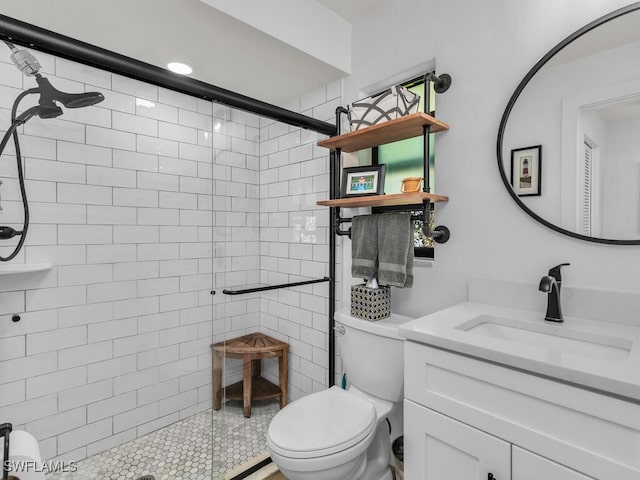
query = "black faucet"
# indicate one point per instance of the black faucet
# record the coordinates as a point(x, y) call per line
point(551, 284)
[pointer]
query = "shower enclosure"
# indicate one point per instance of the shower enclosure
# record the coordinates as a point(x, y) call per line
point(157, 216)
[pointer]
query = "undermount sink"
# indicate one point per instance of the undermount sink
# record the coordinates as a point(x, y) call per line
point(601, 355)
point(553, 339)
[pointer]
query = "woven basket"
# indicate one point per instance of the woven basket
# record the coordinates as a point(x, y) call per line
point(370, 303)
point(393, 103)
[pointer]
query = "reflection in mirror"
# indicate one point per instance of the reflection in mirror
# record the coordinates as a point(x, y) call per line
point(583, 108)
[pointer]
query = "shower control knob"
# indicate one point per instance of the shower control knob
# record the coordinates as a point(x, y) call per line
point(15, 318)
point(340, 329)
point(491, 477)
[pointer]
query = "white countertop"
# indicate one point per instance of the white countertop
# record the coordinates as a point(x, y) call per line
point(452, 329)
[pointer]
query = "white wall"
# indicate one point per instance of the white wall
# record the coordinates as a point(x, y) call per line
point(487, 47)
point(620, 166)
point(294, 234)
point(301, 24)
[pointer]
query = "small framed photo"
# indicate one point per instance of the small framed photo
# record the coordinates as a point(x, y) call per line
point(361, 181)
point(526, 170)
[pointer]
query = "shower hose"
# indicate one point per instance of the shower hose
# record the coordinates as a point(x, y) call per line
point(8, 232)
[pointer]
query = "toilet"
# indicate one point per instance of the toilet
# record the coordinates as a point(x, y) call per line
point(341, 434)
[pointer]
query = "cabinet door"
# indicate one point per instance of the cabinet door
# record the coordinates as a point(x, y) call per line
point(529, 466)
point(438, 448)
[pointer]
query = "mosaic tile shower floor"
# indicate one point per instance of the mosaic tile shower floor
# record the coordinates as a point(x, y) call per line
point(186, 450)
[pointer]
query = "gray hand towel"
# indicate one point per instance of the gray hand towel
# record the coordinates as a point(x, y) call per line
point(364, 246)
point(395, 249)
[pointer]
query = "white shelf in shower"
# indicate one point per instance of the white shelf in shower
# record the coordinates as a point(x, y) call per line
point(8, 269)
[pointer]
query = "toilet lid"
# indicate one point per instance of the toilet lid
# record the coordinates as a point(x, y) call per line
point(321, 424)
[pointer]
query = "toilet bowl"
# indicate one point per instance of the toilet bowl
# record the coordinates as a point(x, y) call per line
point(324, 435)
point(338, 434)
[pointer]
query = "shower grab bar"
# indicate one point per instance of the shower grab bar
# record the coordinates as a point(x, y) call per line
point(274, 287)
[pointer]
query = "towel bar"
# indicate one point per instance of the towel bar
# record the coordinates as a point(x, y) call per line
point(440, 234)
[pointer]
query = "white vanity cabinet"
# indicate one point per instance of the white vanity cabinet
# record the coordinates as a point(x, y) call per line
point(439, 447)
point(529, 466)
point(466, 418)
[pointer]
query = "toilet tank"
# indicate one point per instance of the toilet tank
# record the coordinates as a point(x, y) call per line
point(372, 354)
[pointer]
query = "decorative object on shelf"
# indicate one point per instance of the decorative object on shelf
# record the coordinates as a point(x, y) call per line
point(370, 303)
point(391, 104)
point(526, 170)
point(363, 181)
point(411, 184)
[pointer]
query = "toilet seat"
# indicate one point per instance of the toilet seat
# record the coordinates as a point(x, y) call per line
point(321, 424)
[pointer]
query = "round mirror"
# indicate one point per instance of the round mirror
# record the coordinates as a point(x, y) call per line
point(569, 140)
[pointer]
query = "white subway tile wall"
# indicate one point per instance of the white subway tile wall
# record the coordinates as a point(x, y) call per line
point(143, 204)
point(294, 174)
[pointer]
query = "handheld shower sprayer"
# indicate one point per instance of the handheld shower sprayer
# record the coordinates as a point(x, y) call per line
point(49, 94)
point(47, 108)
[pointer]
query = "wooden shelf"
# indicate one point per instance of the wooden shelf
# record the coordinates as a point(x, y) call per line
point(415, 198)
point(261, 389)
point(386, 132)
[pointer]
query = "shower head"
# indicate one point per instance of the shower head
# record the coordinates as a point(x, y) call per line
point(29, 65)
point(49, 94)
point(49, 112)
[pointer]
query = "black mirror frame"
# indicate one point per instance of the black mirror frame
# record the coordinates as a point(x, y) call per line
point(505, 116)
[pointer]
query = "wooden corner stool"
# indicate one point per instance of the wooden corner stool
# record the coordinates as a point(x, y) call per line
point(251, 348)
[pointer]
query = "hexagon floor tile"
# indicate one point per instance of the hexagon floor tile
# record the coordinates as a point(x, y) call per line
point(202, 447)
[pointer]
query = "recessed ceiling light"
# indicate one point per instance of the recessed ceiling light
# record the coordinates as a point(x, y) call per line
point(181, 68)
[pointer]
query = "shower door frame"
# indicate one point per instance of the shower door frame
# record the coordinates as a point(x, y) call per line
point(47, 41)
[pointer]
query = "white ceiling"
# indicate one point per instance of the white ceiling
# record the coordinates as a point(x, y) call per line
point(352, 10)
point(223, 50)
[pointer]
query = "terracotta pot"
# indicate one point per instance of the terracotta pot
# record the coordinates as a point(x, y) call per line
point(411, 184)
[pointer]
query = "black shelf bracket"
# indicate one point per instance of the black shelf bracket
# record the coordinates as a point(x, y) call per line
point(440, 234)
point(337, 221)
point(441, 83)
